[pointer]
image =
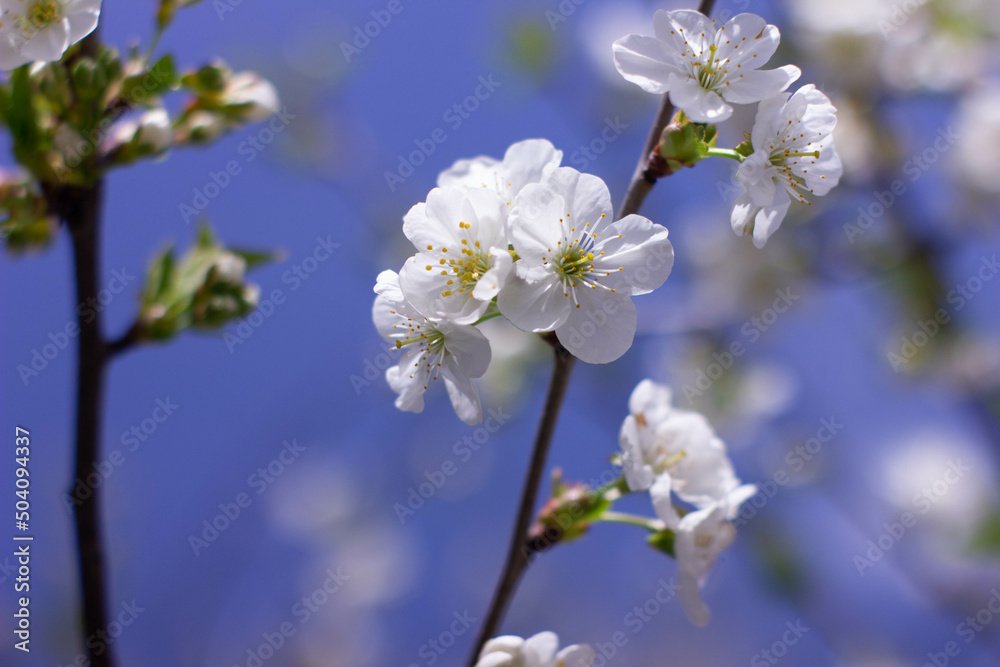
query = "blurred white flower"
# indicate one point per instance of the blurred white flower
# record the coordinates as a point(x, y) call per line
point(977, 152)
point(793, 156)
point(255, 96)
point(42, 30)
point(701, 536)
point(703, 67)
point(541, 650)
point(944, 481)
point(659, 439)
point(152, 131)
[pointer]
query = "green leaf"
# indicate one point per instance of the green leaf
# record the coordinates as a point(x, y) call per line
point(154, 82)
point(663, 541)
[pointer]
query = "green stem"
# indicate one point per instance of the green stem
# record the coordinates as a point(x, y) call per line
point(725, 152)
point(652, 525)
point(487, 317)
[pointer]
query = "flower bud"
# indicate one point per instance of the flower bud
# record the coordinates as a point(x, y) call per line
point(250, 97)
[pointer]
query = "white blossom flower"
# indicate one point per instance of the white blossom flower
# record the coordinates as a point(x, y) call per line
point(256, 97)
point(793, 156)
point(700, 537)
point(432, 350)
point(666, 449)
point(541, 650)
point(42, 30)
point(152, 130)
point(704, 68)
point(462, 260)
point(525, 162)
point(577, 270)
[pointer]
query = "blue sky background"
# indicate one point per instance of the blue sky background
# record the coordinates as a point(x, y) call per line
point(291, 379)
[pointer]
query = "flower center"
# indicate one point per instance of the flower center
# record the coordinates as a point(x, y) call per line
point(710, 74)
point(574, 265)
point(466, 271)
point(39, 15)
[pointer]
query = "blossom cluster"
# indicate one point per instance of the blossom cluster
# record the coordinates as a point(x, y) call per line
point(521, 237)
point(675, 455)
point(706, 68)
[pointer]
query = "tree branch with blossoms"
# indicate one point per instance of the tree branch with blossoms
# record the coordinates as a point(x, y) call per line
point(76, 110)
point(533, 241)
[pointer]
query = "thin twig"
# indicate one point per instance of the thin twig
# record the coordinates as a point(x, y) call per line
point(517, 556)
point(128, 341)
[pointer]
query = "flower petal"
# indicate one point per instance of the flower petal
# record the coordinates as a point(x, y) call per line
point(479, 172)
point(663, 504)
point(48, 44)
point(409, 379)
point(769, 218)
point(541, 648)
point(587, 199)
point(527, 162)
point(638, 474)
point(463, 394)
point(601, 329)
point(754, 85)
point(535, 307)
point(700, 105)
point(645, 61)
point(491, 282)
point(533, 227)
point(469, 348)
point(641, 249)
point(576, 655)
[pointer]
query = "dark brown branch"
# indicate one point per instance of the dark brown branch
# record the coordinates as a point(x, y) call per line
point(80, 208)
point(518, 553)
